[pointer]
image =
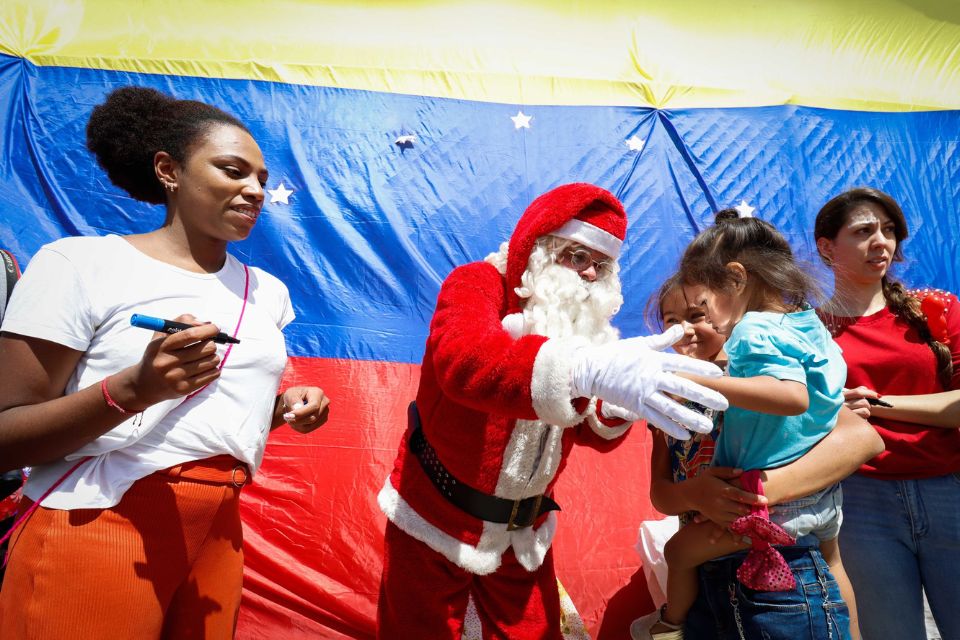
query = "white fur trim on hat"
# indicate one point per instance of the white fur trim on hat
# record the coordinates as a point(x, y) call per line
point(590, 236)
point(550, 386)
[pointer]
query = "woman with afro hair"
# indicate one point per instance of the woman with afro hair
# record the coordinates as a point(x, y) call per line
point(140, 442)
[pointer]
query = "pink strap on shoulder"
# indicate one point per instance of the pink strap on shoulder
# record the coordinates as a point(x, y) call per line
point(236, 330)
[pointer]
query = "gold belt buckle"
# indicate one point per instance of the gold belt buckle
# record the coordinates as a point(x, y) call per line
point(244, 474)
point(511, 526)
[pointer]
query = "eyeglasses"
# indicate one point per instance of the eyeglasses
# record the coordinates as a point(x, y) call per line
point(580, 260)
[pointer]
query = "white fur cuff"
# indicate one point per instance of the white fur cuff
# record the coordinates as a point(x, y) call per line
point(550, 387)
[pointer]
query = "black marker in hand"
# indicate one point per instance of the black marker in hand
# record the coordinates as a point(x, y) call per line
point(171, 326)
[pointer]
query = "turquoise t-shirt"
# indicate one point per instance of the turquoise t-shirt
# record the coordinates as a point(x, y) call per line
point(786, 346)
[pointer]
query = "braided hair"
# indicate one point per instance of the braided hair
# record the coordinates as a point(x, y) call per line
point(134, 123)
point(833, 216)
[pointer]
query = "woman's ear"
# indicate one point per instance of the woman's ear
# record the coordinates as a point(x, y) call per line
point(738, 273)
point(825, 249)
point(167, 170)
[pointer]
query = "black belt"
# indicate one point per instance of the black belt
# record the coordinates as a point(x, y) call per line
point(516, 514)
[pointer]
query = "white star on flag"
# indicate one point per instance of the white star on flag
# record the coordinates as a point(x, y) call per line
point(745, 210)
point(281, 194)
point(521, 121)
point(635, 143)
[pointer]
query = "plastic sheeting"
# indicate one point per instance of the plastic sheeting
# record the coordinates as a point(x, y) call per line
point(314, 534)
point(856, 54)
point(373, 227)
point(370, 227)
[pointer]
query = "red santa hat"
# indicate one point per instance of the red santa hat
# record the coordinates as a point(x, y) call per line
point(581, 212)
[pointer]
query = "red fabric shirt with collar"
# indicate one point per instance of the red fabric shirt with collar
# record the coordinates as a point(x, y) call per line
point(885, 354)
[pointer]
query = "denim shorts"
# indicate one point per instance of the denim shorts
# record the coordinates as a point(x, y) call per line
point(819, 514)
point(727, 610)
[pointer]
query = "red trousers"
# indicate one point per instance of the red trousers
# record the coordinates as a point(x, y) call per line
point(167, 562)
point(424, 595)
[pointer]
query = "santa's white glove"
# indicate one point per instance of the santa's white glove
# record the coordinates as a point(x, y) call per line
point(634, 375)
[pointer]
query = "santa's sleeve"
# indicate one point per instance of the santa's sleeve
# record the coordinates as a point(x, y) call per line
point(478, 364)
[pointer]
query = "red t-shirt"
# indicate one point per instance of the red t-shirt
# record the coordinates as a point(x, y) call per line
point(885, 354)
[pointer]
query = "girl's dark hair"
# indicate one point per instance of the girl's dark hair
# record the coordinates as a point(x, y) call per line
point(758, 246)
point(134, 123)
point(833, 216)
point(653, 310)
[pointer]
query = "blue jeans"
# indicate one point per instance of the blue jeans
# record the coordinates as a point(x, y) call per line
point(898, 535)
point(726, 610)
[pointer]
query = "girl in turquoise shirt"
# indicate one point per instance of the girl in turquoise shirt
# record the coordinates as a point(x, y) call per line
point(785, 391)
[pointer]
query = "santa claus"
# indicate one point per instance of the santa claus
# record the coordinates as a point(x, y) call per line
point(521, 364)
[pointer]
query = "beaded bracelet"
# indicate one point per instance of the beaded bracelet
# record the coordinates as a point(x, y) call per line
point(110, 401)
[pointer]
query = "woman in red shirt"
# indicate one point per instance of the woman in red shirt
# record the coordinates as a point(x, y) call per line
point(901, 529)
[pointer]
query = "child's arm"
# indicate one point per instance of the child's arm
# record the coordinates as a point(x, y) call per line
point(709, 492)
point(851, 443)
point(763, 394)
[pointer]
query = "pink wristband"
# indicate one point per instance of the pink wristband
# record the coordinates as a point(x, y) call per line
point(110, 401)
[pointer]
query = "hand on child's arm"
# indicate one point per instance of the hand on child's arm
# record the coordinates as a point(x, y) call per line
point(712, 494)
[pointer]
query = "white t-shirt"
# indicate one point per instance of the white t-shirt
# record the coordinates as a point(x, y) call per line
point(81, 292)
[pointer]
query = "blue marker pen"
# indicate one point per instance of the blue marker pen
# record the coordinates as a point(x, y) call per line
point(170, 326)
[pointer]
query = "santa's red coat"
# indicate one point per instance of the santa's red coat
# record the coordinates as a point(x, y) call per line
point(499, 413)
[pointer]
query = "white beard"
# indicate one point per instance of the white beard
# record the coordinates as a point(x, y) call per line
point(561, 304)
point(558, 303)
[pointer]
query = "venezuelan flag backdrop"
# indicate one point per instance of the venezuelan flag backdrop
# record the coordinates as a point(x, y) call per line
point(404, 138)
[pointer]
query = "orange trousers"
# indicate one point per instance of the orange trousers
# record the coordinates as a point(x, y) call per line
point(166, 562)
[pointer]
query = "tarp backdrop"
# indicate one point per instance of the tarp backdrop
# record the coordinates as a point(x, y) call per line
point(404, 138)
